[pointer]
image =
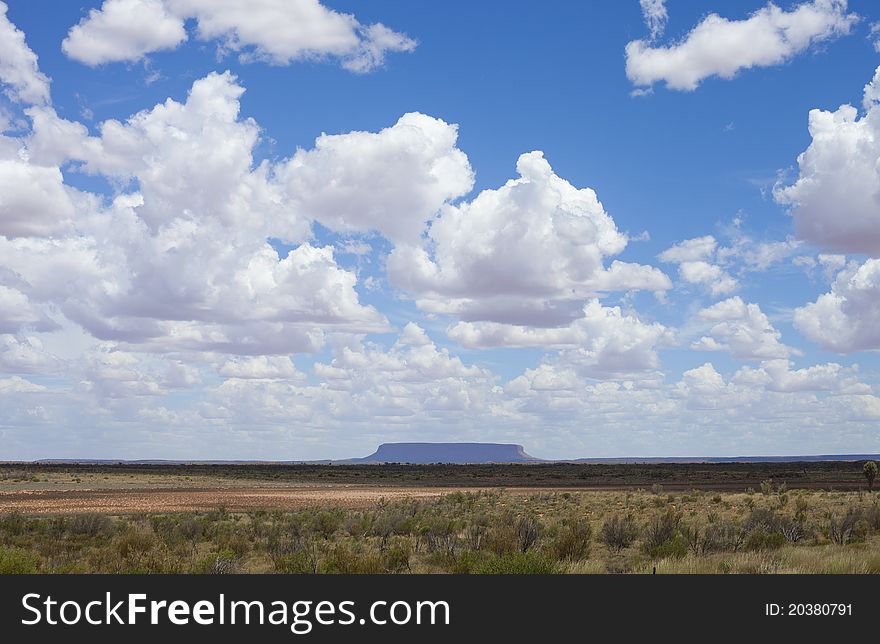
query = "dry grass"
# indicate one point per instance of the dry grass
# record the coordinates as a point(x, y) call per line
point(466, 532)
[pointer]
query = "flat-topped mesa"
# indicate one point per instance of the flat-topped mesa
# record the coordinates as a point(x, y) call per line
point(421, 453)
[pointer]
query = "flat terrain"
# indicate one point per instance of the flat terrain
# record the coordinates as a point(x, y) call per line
point(530, 518)
point(620, 476)
point(236, 499)
point(48, 489)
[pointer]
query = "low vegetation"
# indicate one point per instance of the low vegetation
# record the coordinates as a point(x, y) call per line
point(775, 531)
point(658, 477)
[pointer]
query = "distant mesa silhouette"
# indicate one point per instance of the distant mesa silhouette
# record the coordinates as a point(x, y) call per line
point(457, 453)
point(476, 453)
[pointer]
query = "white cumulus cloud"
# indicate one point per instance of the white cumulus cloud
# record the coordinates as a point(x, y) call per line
point(721, 47)
point(392, 181)
point(530, 253)
point(124, 30)
point(835, 201)
point(181, 260)
point(275, 31)
point(19, 72)
point(33, 199)
point(741, 328)
point(604, 340)
point(846, 319)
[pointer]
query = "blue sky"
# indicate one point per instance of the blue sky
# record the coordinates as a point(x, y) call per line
point(141, 316)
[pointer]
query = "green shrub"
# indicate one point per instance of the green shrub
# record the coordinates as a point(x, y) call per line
point(90, 525)
point(395, 559)
point(619, 532)
point(326, 523)
point(219, 563)
point(763, 520)
point(475, 535)
point(13, 524)
point(842, 530)
point(465, 563)
point(440, 533)
point(675, 547)
point(572, 540)
point(238, 544)
point(501, 539)
point(528, 529)
point(14, 561)
point(664, 527)
point(872, 516)
point(344, 560)
point(298, 563)
point(870, 471)
point(763, 540)
point(133, 545)
point(518, 563)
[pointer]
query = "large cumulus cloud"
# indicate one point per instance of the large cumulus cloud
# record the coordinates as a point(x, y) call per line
point(274, 31)
point(835, 201)
point(530, 253)
point(721, 47)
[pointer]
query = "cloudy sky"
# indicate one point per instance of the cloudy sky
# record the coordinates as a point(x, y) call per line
point(293, 230)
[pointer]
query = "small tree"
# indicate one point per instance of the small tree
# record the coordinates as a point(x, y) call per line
point(870, 471)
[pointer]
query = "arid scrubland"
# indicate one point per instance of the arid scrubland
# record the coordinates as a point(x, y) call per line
point(766, 530)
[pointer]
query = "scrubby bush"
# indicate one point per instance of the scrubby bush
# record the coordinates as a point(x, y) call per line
point(133, 545)
point(841, 529)
point(676, 547)
point(344, 560)
point(697, 541)
point(872, 516)
point(326, 523)
point(221, 563)
point(763, 540)
point(14, 561)
point(661, 531)
point(793, 530)
point(165, 527)
point(297, 563)
point(619, 532)
point(461, 533)
point(13, 524)
point(475, 535)
point(528, 528)
point(191, 530)
point(518, 563)
point(501, 539)
point(763, 520)
point(395, 559)
point(572, 539)
point(467, 562)
point(870, 471)
point(801, 507)
point(90, 525)
point(724, 536)
point(440, 533)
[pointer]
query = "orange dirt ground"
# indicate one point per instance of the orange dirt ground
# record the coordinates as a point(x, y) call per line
point(201, 499)
point(261, 496)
